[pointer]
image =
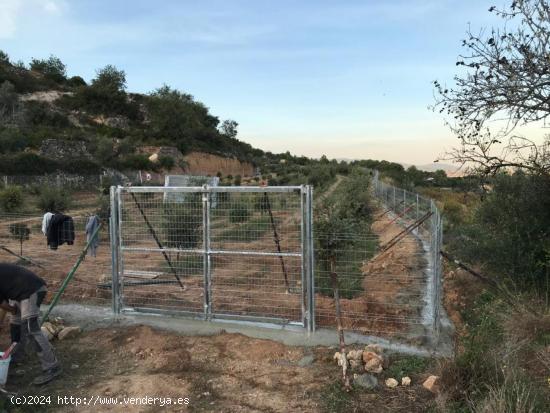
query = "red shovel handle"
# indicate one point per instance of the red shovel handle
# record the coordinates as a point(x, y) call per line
point(8, 351)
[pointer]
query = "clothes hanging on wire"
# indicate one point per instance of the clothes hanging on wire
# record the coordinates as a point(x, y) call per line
point(46, 222)
point(91, 226)
point(60, 231)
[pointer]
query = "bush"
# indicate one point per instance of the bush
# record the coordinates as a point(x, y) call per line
point(508, 233)
point(54, 200)
point(237, 180)
point(11, 198)
point(52, 68)
point(136, 161)
point(166, 162)
point(239, 213)
point(182, 223)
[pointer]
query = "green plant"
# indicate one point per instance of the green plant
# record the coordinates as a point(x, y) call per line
point(239, 213)
point(407, 366)
point(182, 223)
point(237, 181)
point(166, 162)
point(335, 399)
point(52, 68)
point(11, 198)
point(20, 232)
point(52, 199)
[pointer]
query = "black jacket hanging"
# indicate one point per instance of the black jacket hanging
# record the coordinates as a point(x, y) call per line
point(60, 231)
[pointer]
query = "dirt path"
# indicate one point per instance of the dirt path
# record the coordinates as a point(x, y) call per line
point(222, 373)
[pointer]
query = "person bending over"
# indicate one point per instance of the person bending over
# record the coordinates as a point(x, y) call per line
point(21, 293)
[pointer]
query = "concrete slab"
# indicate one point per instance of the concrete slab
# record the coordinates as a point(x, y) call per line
point(90, 317)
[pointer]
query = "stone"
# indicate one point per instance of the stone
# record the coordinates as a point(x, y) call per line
point(355, 364)
point(366, 381)
point(47, 333)
point(373, 362)
point(50, 330)
point(338, 357)
point(375, 348)
point(405, 381)
point(68, 332)
point(391, 383)
point(374, 366)
point(432, 384)
point(355, 355)
point(61, 149)
point(306, 360)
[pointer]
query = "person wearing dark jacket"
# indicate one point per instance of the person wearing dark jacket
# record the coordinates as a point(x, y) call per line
point(21, 293)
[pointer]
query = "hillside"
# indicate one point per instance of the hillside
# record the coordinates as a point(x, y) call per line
point(40, 104)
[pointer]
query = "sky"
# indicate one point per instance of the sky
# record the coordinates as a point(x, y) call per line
point(348, 79)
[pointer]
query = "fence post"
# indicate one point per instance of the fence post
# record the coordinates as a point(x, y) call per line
point(114, 235)
point(206, 252)
point(434, 243)
point(311, 264)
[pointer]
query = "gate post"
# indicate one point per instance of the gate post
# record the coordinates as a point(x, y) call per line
point(114, 238)
point(206, 252)
point(309, 260)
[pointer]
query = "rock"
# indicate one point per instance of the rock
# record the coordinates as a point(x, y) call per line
point(340, 357)
point(367, 381)
point(391, 383)
point(356, 364)
point(373, 362)
point(47, 333)
point(406, 381)
point(373, 367)
point(375, 348)
point(68, 332)
point(306, 360)
point(432, 384)
point(50, 330)
point(355, 355)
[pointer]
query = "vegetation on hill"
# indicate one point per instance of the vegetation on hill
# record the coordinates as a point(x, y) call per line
point(111, 121)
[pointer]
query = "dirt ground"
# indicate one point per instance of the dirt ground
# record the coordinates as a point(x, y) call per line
point(222, 373)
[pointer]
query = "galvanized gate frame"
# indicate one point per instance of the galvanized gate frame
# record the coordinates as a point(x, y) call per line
point(306, 252)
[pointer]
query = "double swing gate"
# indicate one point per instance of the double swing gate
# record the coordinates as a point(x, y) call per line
point(242, 253)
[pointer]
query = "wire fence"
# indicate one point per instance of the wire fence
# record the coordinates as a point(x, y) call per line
point(213, 252)
point(254, 254)
point(422, 219)
point(21, 236)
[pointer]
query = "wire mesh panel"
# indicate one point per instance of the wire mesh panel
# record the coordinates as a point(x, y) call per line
point(22, 242)
point(161, 242)
point(241, 256)
point(417, 251)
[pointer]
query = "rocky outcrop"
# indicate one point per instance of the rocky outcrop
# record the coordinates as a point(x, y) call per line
point(59, 150)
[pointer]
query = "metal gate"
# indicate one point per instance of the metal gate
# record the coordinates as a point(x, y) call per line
point(242, 253)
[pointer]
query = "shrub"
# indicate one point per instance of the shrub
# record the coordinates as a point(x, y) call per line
point(76, 81)
point(11, 198)
point(52, 68)
point(237, 180)
point(508, 232)
point(137, 161)
point(21, 233)
point(54, 199)
point(166, 162)
point(239, 213)
point(182, 223)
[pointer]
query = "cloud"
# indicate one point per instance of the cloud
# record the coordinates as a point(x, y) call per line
point(11, 10)
point(8, 17)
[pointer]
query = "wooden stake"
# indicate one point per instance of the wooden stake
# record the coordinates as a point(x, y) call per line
point(344, 359)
